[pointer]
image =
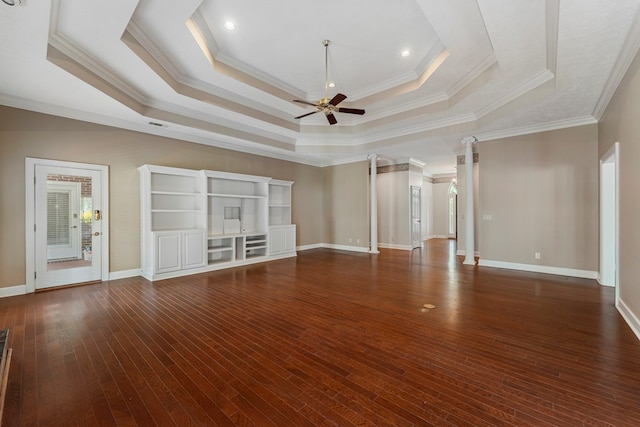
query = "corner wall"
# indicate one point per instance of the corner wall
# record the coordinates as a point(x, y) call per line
point(621, 123)
point(539, 193)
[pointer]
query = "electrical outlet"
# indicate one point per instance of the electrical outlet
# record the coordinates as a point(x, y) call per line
point(350, 240)
point(537, 255)
point(358, 241)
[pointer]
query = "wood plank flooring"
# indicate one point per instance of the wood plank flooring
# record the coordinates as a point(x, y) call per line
point(327, 338)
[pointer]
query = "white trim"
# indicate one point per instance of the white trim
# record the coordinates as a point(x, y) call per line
point(345, 248)
point(435, 236)
point(30, 220)
point(610, 157)
point(560, 271)
point(392, 246)
point(624, 60)
point(332, 246)
point(309, 247)
point(125, 274)
point(13, 291)
point(629, 317)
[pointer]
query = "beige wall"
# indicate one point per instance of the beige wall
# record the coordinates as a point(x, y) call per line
point(394, 209)
point(346, 215)
point(27, 134)
point(541, 191)
point(621, 123)
point(440, 209)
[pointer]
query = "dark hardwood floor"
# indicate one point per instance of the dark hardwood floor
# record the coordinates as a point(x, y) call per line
point(327, 338)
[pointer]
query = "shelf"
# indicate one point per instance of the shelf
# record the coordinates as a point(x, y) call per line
point(174, 193)
point(219, 249)
point(236, 196)
point(176, 210)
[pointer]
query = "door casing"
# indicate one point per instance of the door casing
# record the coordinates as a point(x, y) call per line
point(30, 220)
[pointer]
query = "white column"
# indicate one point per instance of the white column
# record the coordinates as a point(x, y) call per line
point(374, 204)
point(469, 251)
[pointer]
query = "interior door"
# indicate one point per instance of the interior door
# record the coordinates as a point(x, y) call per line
point(416, 212)
point(64, 257)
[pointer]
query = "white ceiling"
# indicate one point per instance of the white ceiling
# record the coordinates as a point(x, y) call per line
point(488, 68)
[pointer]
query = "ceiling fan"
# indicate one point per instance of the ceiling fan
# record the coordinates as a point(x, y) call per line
point(326, 105)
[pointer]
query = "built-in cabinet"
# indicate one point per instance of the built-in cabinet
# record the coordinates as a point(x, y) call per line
point(282, 234)
point(196, 221)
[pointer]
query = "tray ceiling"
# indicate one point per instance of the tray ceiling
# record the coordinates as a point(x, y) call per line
point(489, 68)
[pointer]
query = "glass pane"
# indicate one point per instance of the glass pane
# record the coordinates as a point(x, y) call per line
point(58, 218)
point(69, 222)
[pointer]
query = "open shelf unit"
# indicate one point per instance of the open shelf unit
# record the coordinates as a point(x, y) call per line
point(194, 221)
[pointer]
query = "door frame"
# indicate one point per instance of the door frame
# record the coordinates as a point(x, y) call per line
point(609, 208)
point(412, 216)
point(30, 220)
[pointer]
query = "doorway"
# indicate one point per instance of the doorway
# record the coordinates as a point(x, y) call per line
point(452, 210)
point(66, 223)
point(416, 215)
point(609, 234)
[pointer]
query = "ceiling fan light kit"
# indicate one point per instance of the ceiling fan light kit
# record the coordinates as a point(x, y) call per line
point(326, 105)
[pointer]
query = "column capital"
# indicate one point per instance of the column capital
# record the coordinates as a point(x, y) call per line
point(469, 140)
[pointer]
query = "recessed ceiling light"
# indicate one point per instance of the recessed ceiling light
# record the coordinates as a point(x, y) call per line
point(405, 53)
point(332, 85)
point(230, 25)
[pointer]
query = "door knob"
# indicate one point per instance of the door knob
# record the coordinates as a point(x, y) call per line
point(97, 233)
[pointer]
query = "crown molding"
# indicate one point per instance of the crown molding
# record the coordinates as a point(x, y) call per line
point(545, 127)
point(538, 79)
point(552, 20)
point(80, 57)
point(482, 66)
point(220, 141)
point(627, 54)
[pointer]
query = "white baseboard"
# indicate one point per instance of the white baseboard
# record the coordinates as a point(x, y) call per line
point(571, 272)
point(346, 248)
point(124, 274)
point(309, 247)
point(435, 236)
point(629, 317)
point(13, 291)
point(391, 246)
point(462, 252)
point(332, 246)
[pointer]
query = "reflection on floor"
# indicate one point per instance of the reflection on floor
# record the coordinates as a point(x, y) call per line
point(69, 263)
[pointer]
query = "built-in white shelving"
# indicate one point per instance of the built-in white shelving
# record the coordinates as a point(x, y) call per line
point(194, 221)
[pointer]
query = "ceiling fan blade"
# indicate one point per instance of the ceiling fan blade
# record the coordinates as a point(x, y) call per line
point(337, 99)
point(305, 115)
point(332, 119)
point(304, 102)
point(350, 111)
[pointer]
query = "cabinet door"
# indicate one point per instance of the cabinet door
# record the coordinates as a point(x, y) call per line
point(167, 252)
point(275, 240)
point(289, 238)
point(193, 249)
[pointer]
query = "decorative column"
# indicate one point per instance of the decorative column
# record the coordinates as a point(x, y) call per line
point(470, 247)
point(374, 204)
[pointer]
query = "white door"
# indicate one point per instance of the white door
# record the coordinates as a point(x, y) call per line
point(64, 237)
point(416, 213)
point(84, 260)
